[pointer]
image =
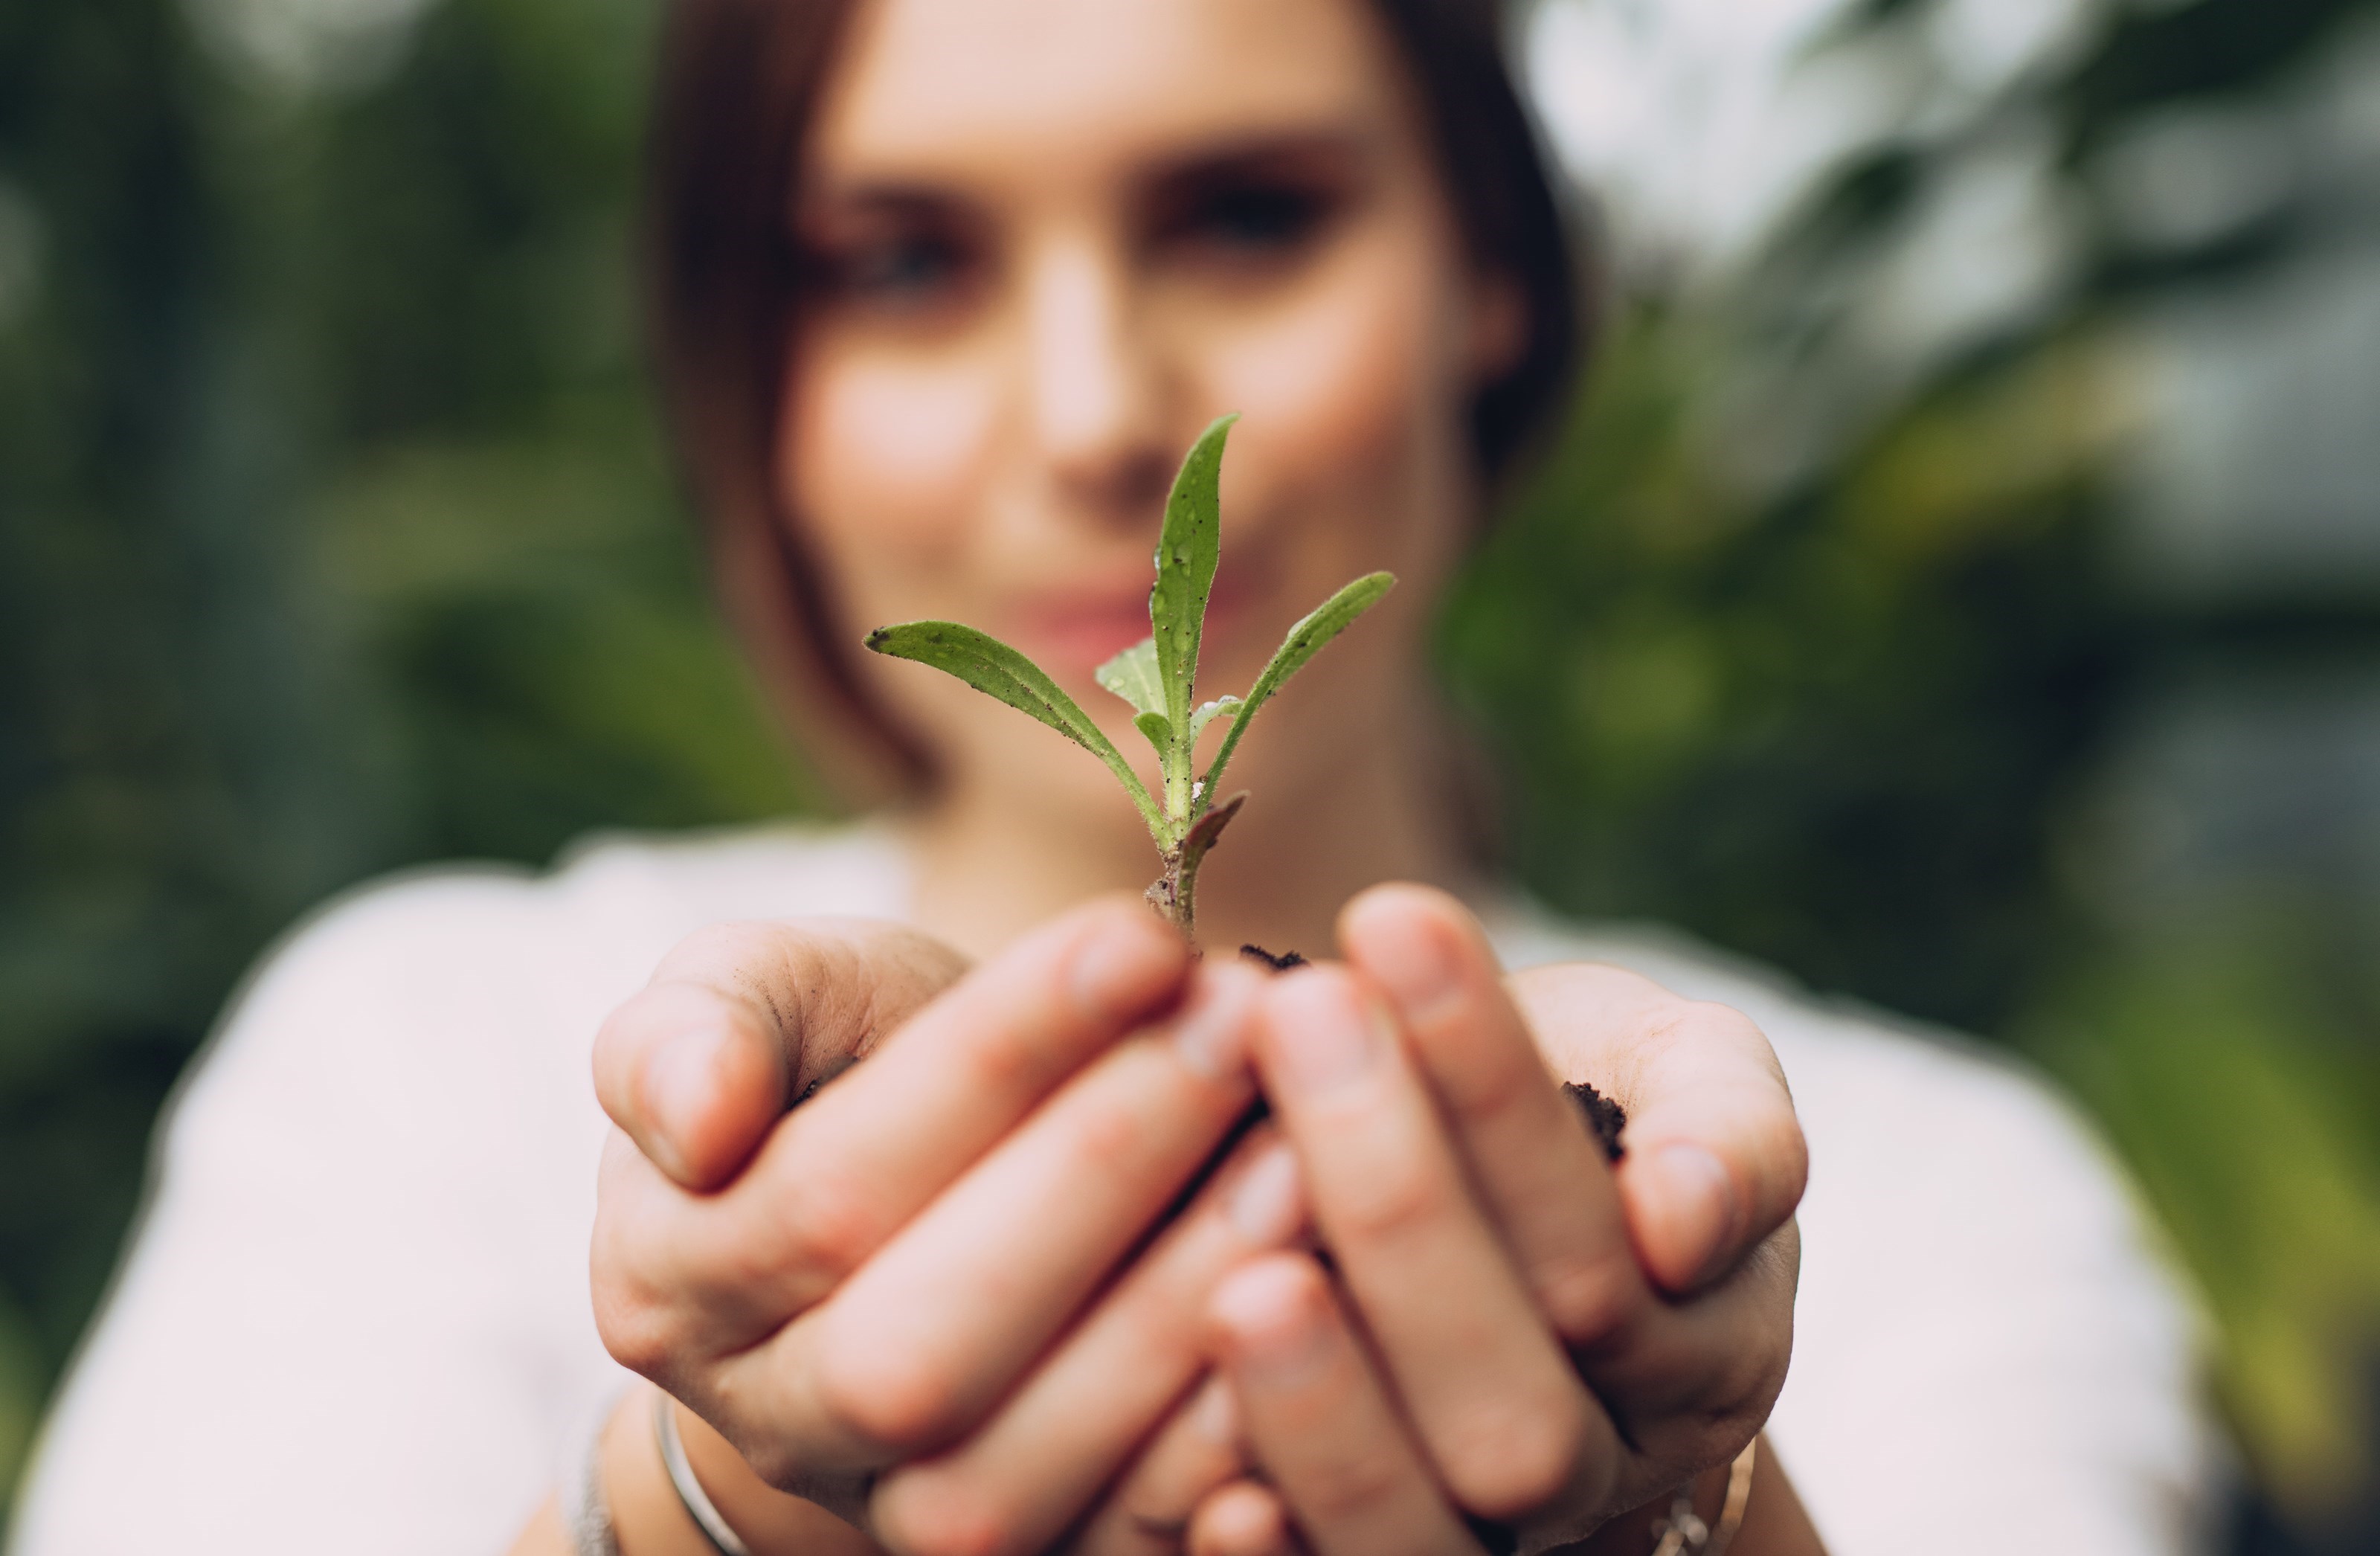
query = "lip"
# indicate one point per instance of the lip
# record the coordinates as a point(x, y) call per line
point(1071, 633)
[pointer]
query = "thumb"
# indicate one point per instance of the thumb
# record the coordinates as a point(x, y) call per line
point(741, 1019)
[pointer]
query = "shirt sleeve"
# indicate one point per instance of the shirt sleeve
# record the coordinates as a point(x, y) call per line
point(1992, 1354)
point(351, 1318)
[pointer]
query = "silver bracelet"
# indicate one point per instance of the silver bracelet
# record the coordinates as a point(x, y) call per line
point(1683, 1534)
point(690, 1493)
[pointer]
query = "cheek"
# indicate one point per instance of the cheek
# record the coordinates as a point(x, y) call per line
point(1355, 393)
point(878, 454)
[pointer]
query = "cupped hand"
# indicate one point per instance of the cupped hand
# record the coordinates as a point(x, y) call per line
point(1510, 1332)
point(719, 1256)
point(889, 1274)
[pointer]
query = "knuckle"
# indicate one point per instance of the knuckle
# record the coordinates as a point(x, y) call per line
point(1492, 1084)
point(640, 1337)
point(1749, 1381)
point(1793, 1155)
point(1513, 1463)
point(1699, 1026)
point(777, 1463)
point(830, 1222)
point(1586, 1300)
point(1715, 1436)
point(1111, 1141)
point(931, 1515)
point(637, 1323)
point(1344, 1486)
point(892, 1399)
point(999, 1060)
point(1382, 1206)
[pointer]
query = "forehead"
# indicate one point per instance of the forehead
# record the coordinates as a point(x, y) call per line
point(994, 88)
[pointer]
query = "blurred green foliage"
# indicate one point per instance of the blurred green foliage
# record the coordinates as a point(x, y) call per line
point(334, 535)
point(1823, 646)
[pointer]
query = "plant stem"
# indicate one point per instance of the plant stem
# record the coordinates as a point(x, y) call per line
point(1174, 895)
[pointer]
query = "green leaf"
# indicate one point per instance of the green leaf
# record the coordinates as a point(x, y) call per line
point(993, 668)
point(1327, 620)
point(1159, 733)
point(1132, 675)
point(1187, 550)
point(1207, 713)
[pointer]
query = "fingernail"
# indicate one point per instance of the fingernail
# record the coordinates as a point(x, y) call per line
point(1693, 1191)
point(1114, 969)
point(1266, 1206)
point(1421, 973)
point(1328, 1035)
point(1277, 1335)
point(680, 1080)
point(1212, 1034)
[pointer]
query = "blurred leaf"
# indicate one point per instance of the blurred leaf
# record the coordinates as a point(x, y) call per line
point(2218, 1073)
point(1305, 640)
point(22, 1380)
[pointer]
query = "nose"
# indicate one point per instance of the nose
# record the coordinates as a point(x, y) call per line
point(1096, 390)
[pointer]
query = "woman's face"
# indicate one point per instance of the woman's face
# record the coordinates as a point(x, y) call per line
point(1055, 239)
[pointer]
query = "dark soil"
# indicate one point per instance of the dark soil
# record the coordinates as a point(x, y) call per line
point(1604, 1116)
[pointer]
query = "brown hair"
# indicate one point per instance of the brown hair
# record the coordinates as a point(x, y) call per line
point(737, 82)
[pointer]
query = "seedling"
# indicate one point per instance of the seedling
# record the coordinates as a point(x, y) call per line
point(1157, 677)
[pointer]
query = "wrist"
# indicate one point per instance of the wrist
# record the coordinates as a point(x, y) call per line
point(1639, 1531)
point(651, 1519)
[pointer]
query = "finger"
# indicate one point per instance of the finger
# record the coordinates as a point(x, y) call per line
point(1148, 1511)
point(739, 1017)
point(919, 1344)
point(717, 1272)
point(1540, 1174)
point(1243, 1519)
point(1698, 1378)
point(1321, 1423)
point(1492, 1395)
point(1030, 1471)
point(1715, 1159)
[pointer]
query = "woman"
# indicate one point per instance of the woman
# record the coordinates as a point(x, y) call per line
point(945, 289)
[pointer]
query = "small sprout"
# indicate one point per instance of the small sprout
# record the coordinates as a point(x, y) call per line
point(1155, 676)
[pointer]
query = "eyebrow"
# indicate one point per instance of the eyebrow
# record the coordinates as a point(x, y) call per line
point(1269, 151)
point(894, 197)
point(1310, 151)
point(1331, 154)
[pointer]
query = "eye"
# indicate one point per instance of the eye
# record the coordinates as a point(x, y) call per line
point(903, 271)
point(1258, 216)
point(904, 264)
point(1247, 221)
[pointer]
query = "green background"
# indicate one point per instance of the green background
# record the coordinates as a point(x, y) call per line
point(334, 535)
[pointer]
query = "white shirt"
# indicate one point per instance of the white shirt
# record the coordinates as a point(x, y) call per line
point(355, 1314)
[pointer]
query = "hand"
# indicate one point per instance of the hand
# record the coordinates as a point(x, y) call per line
point(1515, 1332)
point(885, 1277)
